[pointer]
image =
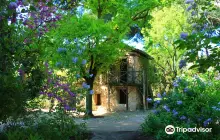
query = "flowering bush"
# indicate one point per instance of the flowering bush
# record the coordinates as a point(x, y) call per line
point(48, 126)
point(22, 24)
point(194, 102)
point(202, 42)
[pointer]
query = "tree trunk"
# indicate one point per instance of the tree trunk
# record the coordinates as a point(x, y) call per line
point(90, 81)
point(89, 99)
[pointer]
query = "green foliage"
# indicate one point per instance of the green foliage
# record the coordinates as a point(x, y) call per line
point(167, 24)
point(45, 126)
point(16, 55)
point(93, 34)
point(94, 43)
point(12, 97)
point(202, 45)
point(195, 98)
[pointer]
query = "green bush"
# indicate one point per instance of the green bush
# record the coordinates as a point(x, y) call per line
point(12, 97)
point(15, 91)
point(45, 126)
point(194, 102)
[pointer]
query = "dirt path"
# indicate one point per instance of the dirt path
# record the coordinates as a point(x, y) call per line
point(116, 126)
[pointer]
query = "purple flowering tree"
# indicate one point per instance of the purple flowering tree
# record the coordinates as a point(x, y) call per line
point(22, 26)
point(202, 43)
point(85, 52)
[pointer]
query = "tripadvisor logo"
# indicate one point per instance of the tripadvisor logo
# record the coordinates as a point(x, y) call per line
point(170, 129)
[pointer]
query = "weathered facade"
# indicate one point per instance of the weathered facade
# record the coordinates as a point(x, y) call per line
point(123, 86)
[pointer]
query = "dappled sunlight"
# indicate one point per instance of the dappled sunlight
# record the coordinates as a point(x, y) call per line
point(109, 69)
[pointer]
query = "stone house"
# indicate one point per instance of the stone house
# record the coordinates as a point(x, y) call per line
point(124, 86)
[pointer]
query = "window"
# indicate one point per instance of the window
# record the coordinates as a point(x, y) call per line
point(98, 99)
point(122, 96)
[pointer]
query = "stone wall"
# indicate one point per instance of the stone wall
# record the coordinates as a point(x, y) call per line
point(101, 87)
point(133, 99)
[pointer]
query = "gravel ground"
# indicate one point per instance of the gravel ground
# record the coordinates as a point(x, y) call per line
point(116, 125)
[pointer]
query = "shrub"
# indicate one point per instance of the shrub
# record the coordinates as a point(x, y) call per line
point(44, 126)
point(194, 102)
point(12, 97)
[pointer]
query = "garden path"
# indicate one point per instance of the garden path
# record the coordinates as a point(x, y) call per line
point(116, 126)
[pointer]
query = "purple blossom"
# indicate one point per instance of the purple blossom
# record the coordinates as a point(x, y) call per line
point(25, 22)
point(175, 84)
point(205, 26)
point(71, 94)
point(50, 94)
point(74, 59)
point(91, 75)
point(194, 25)
point(84, 62)
point(164, 94)
point(189, 1)
point(175, 112)
point(21, 72)
point(79, 52)
point(206, 122)
point(189, 8)
point(19, 2)
point(182, 64)
point(159, 95)
point(166, 108)
point(48, 80)
point(91, 92)
point(155, 111)
point(58, 17)
point(50, 72)
point(182, 117)
point(185, 89)
point(155, 105)
point(193, 13)
point(179, 102)
point(183, 35)
point(65, 87)
point(61, 50)
point(149, 100)
point(84, 47)
point(214, 107)
point(84, 85)
point(13, 19)
point(12, 5)
point(59, 98)
point(66, 107)
point(205, 13)
point(194, 5)
point(76, 40)
point(193, 32)
point(157, 101)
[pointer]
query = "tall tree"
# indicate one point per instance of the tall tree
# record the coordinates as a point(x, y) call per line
point(96, 37)
point(167, 24)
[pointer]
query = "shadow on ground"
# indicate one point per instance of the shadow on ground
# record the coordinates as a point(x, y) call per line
point(116, 126)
